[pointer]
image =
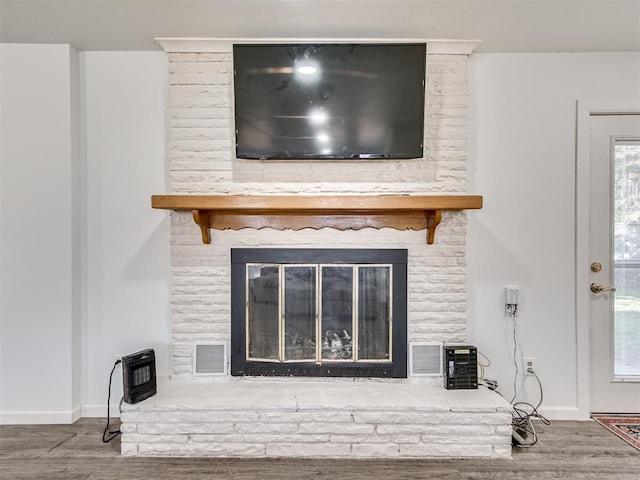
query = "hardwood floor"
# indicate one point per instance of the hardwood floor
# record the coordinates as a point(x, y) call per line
point(565, 450)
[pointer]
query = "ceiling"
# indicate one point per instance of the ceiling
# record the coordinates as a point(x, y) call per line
point(501, 25)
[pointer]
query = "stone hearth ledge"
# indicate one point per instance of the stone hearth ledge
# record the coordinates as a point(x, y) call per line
point(362, 418)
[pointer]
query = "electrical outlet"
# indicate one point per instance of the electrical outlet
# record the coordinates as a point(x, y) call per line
point(529, 363)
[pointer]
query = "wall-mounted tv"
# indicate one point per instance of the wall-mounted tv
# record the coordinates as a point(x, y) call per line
point(329, 101)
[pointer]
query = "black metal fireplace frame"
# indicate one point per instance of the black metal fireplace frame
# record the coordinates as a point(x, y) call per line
point(240, 366)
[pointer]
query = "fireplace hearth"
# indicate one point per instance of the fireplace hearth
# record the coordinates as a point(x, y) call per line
point(319, 312)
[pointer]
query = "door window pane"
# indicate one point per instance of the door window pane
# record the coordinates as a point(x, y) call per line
point(626, 236)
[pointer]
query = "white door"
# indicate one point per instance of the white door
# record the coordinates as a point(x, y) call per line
point(614, 250)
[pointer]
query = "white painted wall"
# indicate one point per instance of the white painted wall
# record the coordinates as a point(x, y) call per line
point(39, 235)
point(522, 159)
point(84, 258)
point(522, 133)
point(128, 247)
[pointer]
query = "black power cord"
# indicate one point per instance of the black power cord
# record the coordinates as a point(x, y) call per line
point(112, 434)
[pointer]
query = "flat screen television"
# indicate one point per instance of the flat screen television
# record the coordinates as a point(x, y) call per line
point(329, 101)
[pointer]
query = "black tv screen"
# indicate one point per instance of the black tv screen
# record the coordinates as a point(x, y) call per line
point(329, 101)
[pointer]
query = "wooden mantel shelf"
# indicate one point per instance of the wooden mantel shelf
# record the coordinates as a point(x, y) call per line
point(402, 212)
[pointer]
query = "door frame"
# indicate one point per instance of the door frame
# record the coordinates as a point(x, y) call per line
point(584, 111)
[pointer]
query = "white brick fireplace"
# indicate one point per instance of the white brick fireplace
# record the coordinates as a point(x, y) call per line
point(398, 418)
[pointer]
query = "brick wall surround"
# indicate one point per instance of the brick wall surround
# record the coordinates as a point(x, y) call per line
point(244, 417)
point(201, 161)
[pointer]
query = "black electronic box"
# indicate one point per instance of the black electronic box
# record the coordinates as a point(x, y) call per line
point(460, 367)
point(139, 375)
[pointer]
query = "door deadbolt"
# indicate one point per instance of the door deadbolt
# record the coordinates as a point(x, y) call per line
point(596, 267)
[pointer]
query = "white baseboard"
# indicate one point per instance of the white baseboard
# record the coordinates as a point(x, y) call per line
point(100, 411)
point(40, 418)
point(560, 413)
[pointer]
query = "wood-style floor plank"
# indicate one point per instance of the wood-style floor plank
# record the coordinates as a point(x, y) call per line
point(565, 450)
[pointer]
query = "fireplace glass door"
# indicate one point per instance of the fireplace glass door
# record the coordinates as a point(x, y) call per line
point(319, 313)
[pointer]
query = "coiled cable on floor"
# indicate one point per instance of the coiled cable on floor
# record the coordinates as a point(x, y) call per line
point(523, 412)
point(522, 425)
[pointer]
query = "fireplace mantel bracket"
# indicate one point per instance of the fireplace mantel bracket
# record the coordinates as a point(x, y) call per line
point(201, 217)
point(402, 212)
point(434, 217)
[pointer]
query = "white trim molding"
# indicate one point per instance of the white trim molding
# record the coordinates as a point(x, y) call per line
point(64, 417)
point(100, 411)
point(561, 413)
point(225, 45)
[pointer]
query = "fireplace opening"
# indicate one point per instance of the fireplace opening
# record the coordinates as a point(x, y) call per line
point(319, 312)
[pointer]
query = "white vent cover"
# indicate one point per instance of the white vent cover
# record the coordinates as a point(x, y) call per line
point(425, 358)
point(210, 359)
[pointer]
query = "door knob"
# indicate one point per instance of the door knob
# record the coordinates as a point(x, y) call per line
point(597, 288)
